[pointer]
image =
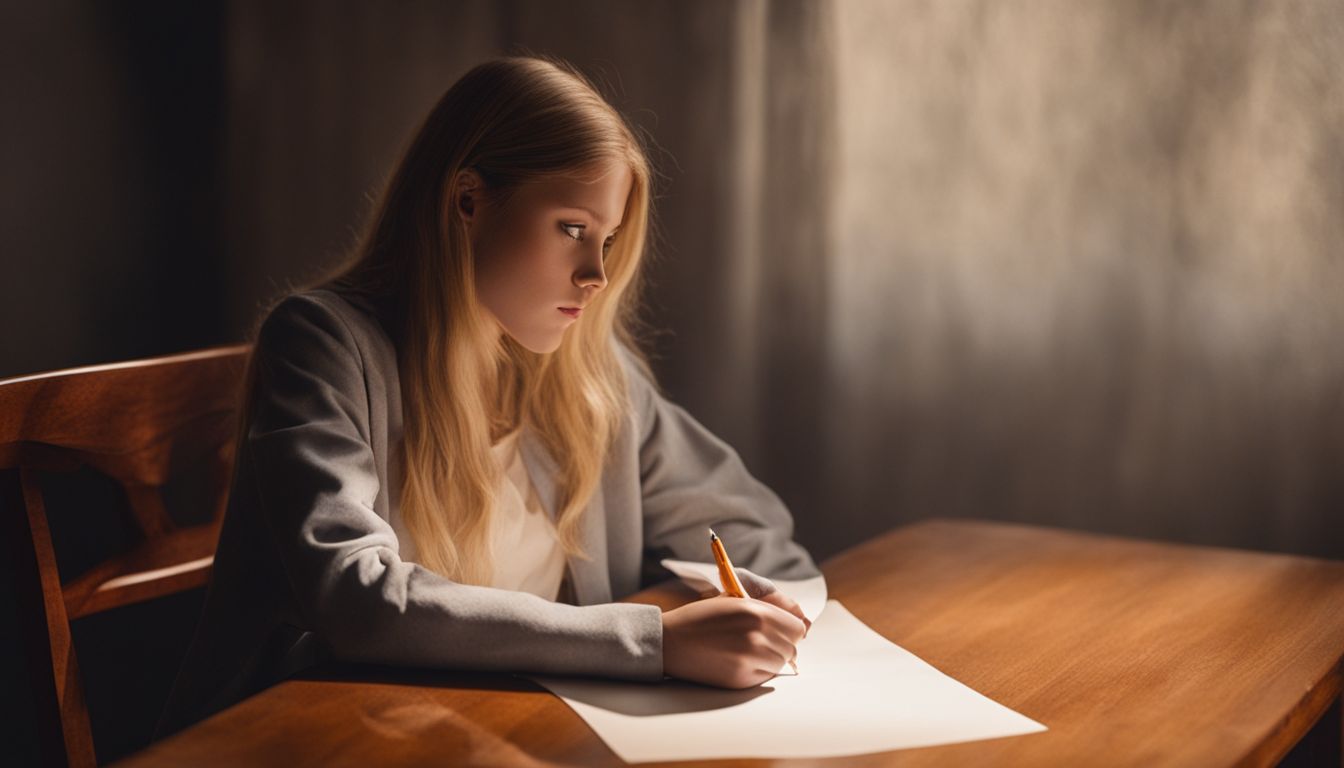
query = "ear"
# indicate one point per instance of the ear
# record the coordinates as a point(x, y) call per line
point(468, 188)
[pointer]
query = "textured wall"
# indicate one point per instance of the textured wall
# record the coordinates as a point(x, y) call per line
point(1087, 267)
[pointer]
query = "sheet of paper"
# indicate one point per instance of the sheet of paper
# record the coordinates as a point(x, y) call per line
point(856, 693)
point(809, 593)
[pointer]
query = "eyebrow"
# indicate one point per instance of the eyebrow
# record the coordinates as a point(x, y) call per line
point(593, 214)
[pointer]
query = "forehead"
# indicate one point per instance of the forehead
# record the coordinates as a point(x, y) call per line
point(602, 191)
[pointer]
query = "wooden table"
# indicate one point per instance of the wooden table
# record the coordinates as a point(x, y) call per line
point(1132, 652)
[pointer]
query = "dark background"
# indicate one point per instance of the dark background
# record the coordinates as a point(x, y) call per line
point(1064, 263)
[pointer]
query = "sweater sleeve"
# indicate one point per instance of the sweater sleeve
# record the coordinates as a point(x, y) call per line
point(316, 483)
point(691, 480)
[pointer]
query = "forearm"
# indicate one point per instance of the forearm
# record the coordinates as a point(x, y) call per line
point(379, 609)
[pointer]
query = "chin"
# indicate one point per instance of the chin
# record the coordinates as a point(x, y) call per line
point(540, 346)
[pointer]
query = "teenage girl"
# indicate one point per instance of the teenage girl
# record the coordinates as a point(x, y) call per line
point(451, 452)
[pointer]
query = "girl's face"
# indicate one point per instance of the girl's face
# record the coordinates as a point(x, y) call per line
point(540, 252)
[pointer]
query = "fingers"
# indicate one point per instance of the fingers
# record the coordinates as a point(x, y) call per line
point(765, 590)
point(769, 635)
point(781, 641)
point(729, 642)
point(786, 603)
point(756, 586)
point(788, 625)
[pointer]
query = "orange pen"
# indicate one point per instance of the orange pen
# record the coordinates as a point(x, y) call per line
point(728, 577)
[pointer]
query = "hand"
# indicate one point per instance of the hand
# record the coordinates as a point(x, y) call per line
point(763, 589)
point(729, 642)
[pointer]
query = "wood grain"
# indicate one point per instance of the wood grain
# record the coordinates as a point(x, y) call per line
point(1132, 652)
point(140, 423)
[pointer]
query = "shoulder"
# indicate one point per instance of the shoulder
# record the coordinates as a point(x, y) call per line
point(320, 316)
point(636, 368)
point(315, 310)
point(641, 384)
point(322, 331)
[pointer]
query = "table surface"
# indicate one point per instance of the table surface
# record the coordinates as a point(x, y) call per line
point(1131, 652)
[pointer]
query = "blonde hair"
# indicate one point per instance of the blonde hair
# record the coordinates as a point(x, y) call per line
point(513, 120)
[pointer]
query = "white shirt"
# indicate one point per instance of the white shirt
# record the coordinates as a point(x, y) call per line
point(526, 552)
point(525, 549)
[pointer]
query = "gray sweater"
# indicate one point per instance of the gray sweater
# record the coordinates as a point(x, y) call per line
point(307, 566)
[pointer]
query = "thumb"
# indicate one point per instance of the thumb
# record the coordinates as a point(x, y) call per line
point(756, 586)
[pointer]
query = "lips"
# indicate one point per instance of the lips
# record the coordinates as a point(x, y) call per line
point(571, 311)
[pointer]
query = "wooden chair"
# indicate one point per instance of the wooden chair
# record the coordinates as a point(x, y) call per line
point(140, 423)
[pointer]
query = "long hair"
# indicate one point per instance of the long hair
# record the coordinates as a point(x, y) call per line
point(513, 120)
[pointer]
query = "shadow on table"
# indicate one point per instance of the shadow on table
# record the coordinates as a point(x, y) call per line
point(670, 697)
point(634, 699)
point(374, 673)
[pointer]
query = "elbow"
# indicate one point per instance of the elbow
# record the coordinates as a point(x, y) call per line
point(359, 605)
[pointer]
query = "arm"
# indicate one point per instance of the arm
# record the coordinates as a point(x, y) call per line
point(691, 480)
point(316, 485)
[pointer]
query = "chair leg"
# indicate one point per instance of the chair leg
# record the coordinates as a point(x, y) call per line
point(64, 737)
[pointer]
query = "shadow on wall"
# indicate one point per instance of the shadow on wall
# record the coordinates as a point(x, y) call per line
point(111, 222)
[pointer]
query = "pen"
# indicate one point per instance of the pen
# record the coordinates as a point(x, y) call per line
point(728, 577)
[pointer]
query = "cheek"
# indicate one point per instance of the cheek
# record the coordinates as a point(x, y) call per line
point(499, 253)
point(517, 270)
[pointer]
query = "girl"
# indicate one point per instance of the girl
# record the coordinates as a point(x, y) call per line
point(452, 454)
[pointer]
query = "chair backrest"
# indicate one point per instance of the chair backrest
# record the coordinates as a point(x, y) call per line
point(142, 424)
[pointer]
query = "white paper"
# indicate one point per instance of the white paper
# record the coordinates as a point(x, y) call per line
point(856, 692)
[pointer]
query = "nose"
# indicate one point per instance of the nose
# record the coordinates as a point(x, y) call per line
point(591, 273)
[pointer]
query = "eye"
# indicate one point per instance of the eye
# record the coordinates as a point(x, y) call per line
point(575, 231)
